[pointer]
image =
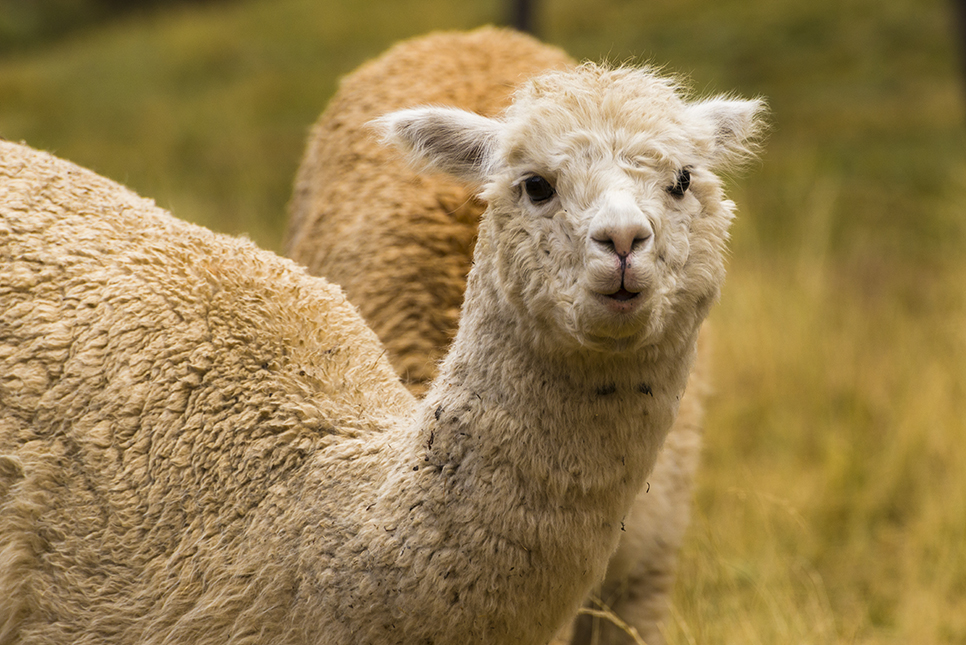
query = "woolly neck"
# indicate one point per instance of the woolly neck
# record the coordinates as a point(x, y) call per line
point(578, 422)
point(522, 462)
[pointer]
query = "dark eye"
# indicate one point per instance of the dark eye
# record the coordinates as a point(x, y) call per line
point(538, 189)
point(681, 184)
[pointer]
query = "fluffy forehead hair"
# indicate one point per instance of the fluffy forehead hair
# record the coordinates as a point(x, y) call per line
point(599, 94)
point(631, 110)
point(596, 99)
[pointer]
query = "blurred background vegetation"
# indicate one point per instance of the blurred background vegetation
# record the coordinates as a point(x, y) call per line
point(832, 504)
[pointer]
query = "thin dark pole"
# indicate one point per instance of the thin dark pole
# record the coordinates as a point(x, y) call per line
point(959, 16)
point(522, 15)
point(959, 11)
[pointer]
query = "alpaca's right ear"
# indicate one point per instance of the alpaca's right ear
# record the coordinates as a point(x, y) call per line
point(447, 139)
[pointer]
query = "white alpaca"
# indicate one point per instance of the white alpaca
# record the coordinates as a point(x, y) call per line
point(203, 444)
point(355, 198)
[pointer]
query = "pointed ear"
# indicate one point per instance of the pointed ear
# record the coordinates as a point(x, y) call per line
point(446, 139)
point(737, 125)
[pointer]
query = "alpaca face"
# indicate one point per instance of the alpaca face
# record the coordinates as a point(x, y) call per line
point(606, 225)
point(597, 247)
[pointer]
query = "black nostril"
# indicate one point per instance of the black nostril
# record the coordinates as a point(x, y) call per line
point(640, 240)
point(622, 246)
point(607, 243)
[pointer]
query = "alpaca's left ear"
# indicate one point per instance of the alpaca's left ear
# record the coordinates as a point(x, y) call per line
point(737, 125)
point(453, 141)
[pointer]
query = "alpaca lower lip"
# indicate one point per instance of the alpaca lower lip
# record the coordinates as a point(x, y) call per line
point(621, 301)
point(622, 295)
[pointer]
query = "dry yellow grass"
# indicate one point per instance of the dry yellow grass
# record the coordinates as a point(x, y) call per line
point(832, 504)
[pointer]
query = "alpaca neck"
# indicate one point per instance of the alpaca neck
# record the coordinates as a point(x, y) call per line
point(505, 497)
point(575, 425)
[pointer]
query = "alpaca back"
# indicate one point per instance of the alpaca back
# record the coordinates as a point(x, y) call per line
point(159, 384)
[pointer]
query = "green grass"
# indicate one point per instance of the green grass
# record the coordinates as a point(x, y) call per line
point(831, 507)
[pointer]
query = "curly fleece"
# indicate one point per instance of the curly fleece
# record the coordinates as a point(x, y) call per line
point(163, 390)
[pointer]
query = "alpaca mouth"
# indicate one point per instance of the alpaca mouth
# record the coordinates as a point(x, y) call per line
point(621, 302)
point(622, 295)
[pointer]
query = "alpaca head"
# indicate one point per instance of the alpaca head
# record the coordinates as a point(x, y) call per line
point(606, 224)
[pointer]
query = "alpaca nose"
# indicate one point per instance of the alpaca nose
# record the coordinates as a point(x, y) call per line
point(623, 240)
point(621, 227)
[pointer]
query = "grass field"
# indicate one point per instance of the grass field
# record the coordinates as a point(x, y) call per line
point(831, 507)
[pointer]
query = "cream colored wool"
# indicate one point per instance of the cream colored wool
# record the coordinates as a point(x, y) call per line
point(183, 420)
point(400, 244)
point(199, 443)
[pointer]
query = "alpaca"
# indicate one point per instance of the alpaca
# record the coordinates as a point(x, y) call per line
point(355, 198)
point(201, 443)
